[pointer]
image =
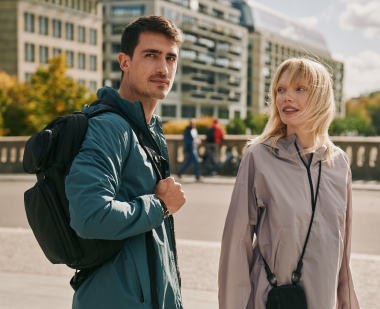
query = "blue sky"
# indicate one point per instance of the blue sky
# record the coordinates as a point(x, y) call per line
point(352, 32)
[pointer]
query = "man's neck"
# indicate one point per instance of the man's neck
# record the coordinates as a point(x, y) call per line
point(148, 105)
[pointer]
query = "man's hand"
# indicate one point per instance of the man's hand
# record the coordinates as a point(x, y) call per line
point(170, 192)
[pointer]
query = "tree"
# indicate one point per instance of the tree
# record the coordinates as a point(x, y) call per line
point(256, 122)
point(27, 108)
point(236, 126)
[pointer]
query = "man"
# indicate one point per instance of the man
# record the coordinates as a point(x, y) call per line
point(218, 131)
point(191, 141)
point(112, 186)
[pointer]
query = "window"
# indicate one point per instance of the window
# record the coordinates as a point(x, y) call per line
point(81, 82)
point(28, 76)
point(268, 46)
point(187, 111)
point(184, 3)
point(115, 66)
point(267, 87)
point(202, 8)
point(188, 88)
point(43, 25)
point(92, 86)
point(225, 62)
point(267, 59)
point(188, 70)
point(207, 111)
point(116, 84)
point(116, 47)
point(81, 61)
point(70, 58)
point(233, 18)
point(57, 51)
point(206, 57)
point(57, 28)
point(128, 11)
point(29, 22)
point(43, 54)
point(168, 110)
point(29, 52)
point(189, 37)
point(189, 19)
point(206, 42)
point(174, 87)
point(118, 29)
point(283, 50)
point(69, 31)
point(266, 72)
point(217, 14)
point(92, 62)
point(93, 37)
point(188, 54)
point(81, 34)
point(59, 2)
point(223, 113)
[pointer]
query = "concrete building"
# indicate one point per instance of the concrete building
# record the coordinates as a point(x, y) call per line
point(211, 71)
point(34, 30)
point(273, 38)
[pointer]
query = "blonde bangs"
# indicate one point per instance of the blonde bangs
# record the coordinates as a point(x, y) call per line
point(319, 112)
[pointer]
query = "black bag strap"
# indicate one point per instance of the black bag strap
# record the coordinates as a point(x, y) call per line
point(296, 276)
point(161, 167)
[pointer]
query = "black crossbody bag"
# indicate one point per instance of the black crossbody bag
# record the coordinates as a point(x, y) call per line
point(292, 296)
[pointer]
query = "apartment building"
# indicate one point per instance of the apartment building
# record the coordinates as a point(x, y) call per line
point(211, 72)
point(35, 30)
point(273, 38)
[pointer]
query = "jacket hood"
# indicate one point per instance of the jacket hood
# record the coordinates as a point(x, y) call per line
point(285, 148)
point(133, 110)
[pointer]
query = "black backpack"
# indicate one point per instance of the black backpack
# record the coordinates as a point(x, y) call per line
point(49, 154)
point(210, 135)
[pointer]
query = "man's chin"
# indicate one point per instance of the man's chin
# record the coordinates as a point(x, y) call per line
point(156, 95)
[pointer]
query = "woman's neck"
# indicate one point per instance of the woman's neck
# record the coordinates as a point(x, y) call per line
point(306, 138)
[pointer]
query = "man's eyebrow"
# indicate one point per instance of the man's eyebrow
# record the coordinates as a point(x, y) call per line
point(156, 51)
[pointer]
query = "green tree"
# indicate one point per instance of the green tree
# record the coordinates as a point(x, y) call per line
point(27, 108)
point(236, 126)
point(256, 122)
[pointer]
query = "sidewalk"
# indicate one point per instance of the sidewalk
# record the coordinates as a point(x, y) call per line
point(215, 180)
point(29, 281)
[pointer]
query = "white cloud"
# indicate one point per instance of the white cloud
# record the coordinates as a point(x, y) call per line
point(362, 74)
point(362, 16)
point(309, 22)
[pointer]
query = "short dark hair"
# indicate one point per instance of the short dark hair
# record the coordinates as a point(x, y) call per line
point(153, 23)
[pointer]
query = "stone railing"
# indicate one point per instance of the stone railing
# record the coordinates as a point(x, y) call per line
point(364, 154)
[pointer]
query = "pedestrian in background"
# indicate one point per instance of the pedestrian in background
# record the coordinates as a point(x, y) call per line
point(214, 137)
point(191, 142)
point(293, 192)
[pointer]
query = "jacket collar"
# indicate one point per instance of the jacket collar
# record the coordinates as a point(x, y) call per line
point(285, 148)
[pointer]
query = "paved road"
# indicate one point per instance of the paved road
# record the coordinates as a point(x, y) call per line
point(203, 216)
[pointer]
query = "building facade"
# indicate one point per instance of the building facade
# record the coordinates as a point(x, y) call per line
point(211, 74)
point(274, 38)
point(35, 30)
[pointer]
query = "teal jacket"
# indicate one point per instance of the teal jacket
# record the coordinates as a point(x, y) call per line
point(110, 190)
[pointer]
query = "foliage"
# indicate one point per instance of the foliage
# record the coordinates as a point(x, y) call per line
point(178, 126)
point(27, 108)
point(256, 122)
point(354, 123)
point(236, 126)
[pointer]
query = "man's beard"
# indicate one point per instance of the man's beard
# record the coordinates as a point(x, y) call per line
point(155, 94)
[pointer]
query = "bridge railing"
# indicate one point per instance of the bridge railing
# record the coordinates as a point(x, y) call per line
point(363, 152)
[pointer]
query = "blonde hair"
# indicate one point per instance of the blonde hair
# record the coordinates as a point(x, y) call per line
point(319, 111)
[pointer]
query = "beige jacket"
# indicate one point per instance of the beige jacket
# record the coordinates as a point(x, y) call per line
point(272, 200)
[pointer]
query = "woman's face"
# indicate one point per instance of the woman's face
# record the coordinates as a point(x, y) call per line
point(291, 100)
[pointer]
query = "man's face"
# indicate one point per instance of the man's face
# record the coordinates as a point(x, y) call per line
point(150, 73)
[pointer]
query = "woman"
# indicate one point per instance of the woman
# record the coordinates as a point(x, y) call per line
point(275, 191)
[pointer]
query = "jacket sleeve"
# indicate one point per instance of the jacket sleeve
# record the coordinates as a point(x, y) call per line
point(95, 179)
point(346, 296)
point(236, 256)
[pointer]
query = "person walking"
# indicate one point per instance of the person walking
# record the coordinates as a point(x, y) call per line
point(289, 223)
point(112, 186)
point(191, 141)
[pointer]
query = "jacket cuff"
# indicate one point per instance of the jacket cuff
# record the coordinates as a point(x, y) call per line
point(157, 209)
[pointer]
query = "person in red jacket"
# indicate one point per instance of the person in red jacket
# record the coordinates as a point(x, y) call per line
point(218, 131)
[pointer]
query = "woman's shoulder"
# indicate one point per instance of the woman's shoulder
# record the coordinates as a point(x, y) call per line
point(340, 157)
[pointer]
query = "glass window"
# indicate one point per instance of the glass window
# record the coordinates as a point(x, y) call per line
point(202, 8)
point(267, 87)
point(57, 51)
point(93, 37)
point(170, 14)
point(184, 3)
point(116, 66)
point(206, 42)
point(118, 29)
point(223, 113)
point(189, 37)
point(81, 82)
point(57, 28)
point(237, 114)
point(92, 62)
point(267, 59)
point(277, 49)
point(188, 111)
point(206, 57)
point(174, 87)
point(189, 19)
point(69, 31)
point(266, 72)
point(207, 111)
point(43, 54)
point(283, 50)
point(268, 46)
point(81, 61)
point(128, 11)
point(237, 64)
point(29, 22)
point(29, 52)
point(70, 58)
point(43, 25)
point(217, 13)
point(92, 86)
point(28, 76)
point(168, 110)
point(233, 18)
point(116, 47)
point(81, 34)
point(188, 54)
point(188, 88)
point(223, 46)
point(223, 62)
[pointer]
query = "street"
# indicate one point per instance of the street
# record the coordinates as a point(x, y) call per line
point(202, 217)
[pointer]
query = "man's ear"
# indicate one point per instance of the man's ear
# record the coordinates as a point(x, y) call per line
point(124, 61)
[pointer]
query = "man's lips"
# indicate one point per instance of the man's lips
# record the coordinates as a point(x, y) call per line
point(161, 82)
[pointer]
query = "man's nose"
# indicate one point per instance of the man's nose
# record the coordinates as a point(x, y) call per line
point(162, 67)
